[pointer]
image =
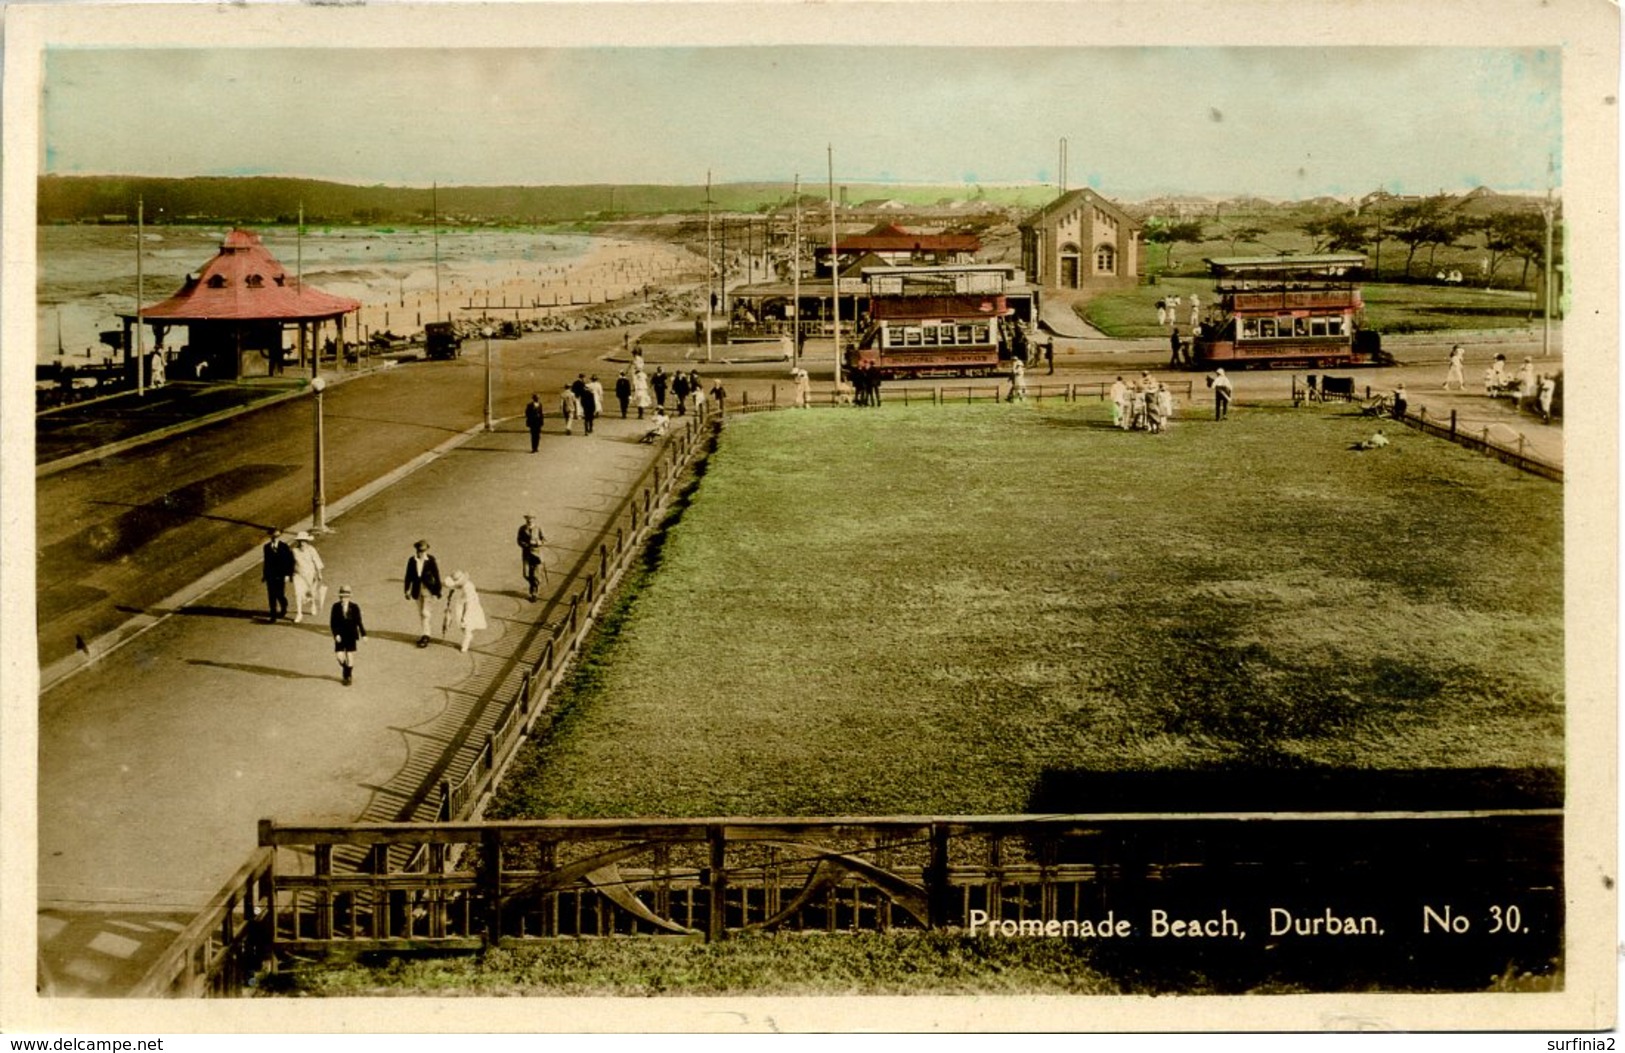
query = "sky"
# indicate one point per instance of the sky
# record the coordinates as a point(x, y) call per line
point(1290, 122)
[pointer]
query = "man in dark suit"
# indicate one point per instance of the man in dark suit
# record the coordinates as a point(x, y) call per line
point(533, 421)
point(422, 586)
point(348, 631)
point(277, 572)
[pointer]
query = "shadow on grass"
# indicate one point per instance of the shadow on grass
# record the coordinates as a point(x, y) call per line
point(1264, 788)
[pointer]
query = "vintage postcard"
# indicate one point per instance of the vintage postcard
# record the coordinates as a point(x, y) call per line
point(595, 517)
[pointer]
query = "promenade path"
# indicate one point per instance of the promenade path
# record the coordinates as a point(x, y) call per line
point(157, 761)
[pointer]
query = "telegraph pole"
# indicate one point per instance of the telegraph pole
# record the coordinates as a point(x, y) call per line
point(140, 294)
point(710, 264)
point(834, 267)
point(795, 277)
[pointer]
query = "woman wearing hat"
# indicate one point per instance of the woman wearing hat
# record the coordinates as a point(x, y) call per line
point(307, 577)
point(463, 608)
point(345, 621)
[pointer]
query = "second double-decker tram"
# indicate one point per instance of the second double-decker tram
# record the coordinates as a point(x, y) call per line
point(1287, 312)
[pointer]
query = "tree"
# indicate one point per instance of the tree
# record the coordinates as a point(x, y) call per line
point(1171, 234)
point(1423, 223)
point(1344, 233)
point(1245, 234)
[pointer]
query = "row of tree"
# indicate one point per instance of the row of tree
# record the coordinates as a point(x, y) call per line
point(1425, 225)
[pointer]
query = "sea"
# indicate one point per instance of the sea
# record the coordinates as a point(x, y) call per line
point(87, 274)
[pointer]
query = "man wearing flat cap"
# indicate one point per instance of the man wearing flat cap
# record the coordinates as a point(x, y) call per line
point(345, 621)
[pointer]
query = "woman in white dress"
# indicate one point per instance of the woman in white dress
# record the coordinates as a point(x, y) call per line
point(307, 577)
point(463, 608)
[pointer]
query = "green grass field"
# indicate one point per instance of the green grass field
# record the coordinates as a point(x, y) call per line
point(946, 609)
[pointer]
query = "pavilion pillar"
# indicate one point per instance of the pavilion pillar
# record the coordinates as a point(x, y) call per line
point(338, 345)
point(301, 330)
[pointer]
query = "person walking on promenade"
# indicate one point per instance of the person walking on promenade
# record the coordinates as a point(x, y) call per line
point(637, 357)
point(623, 392)
point(1049, 355)
point(530, 552)
point(679, 391)
point(1457, 357)
point(696, 391)
point(307, 578)
point(803, 387)
point(569, 408)
point(1400, 402)
point(277, 570)
point(591, 403)
point(1174, 343)
point(659, 381)
point(348, 631)
point(422, 586)
point(640, 391)
point(1165, 405)
point(1527, 385)
point(1221, 394)
point(1544, 396)
point(463, 609)
point(719, 395)
point(533, 420)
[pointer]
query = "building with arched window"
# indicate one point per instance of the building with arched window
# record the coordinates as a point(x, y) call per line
point(1081, 241)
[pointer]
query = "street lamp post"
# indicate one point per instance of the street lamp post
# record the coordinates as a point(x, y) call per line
point(318, 491)
point(486, 332)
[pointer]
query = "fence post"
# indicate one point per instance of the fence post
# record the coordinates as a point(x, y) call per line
point(1368, 391)
point(324, 901)
point(1452, 424)
point(936, 395)
point(1072, 392)
point(575, 602)
point(490, 880)
point(716, 920)
point(938, 894)
point(1520, 445)
point(744, 402)
point(445, 801)
point(905, 396)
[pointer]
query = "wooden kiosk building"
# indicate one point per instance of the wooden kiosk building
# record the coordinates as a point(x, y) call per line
point(237, 310)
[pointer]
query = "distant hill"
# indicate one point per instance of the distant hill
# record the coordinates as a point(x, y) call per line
point(277, 199)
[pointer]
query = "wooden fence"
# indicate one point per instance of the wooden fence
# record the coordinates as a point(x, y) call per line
point(482, 885)
point(963, 391)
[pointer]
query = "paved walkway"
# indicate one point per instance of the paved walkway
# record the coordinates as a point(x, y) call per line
point(157, 761)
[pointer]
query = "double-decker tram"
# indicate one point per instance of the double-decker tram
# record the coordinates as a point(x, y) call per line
point(932, 322)
point(1287, 312)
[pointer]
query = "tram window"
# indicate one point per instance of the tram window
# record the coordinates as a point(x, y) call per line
point(930, 336)
point(1266, 327)
point(1334, 326)
point(1317, 326)
point(1300, 327)
point(1249, 328)
point(947, 334)
point(911, 336)
point(981, 336)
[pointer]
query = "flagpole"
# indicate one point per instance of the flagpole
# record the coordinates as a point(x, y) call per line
point(710, 264)
point(795, 271)
point(299, 285)
point(140, 294)
point(434, 221)
point(834, 266)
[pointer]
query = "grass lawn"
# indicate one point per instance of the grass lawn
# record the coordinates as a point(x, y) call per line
point(948, 609)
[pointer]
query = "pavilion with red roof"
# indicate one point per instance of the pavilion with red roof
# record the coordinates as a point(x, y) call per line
point(891, 245)
point(237, 309)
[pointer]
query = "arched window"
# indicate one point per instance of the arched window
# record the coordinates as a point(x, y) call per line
point(1105, 259)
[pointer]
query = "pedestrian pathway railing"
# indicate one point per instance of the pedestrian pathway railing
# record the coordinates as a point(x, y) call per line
point(1515, 451)
point(463, 794)
point(478, 885)
point(225, 943)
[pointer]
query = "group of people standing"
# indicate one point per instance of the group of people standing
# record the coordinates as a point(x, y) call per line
point(865, 384)
point(1146, 404)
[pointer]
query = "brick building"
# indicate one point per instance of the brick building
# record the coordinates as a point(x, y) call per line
point(1081, 241)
